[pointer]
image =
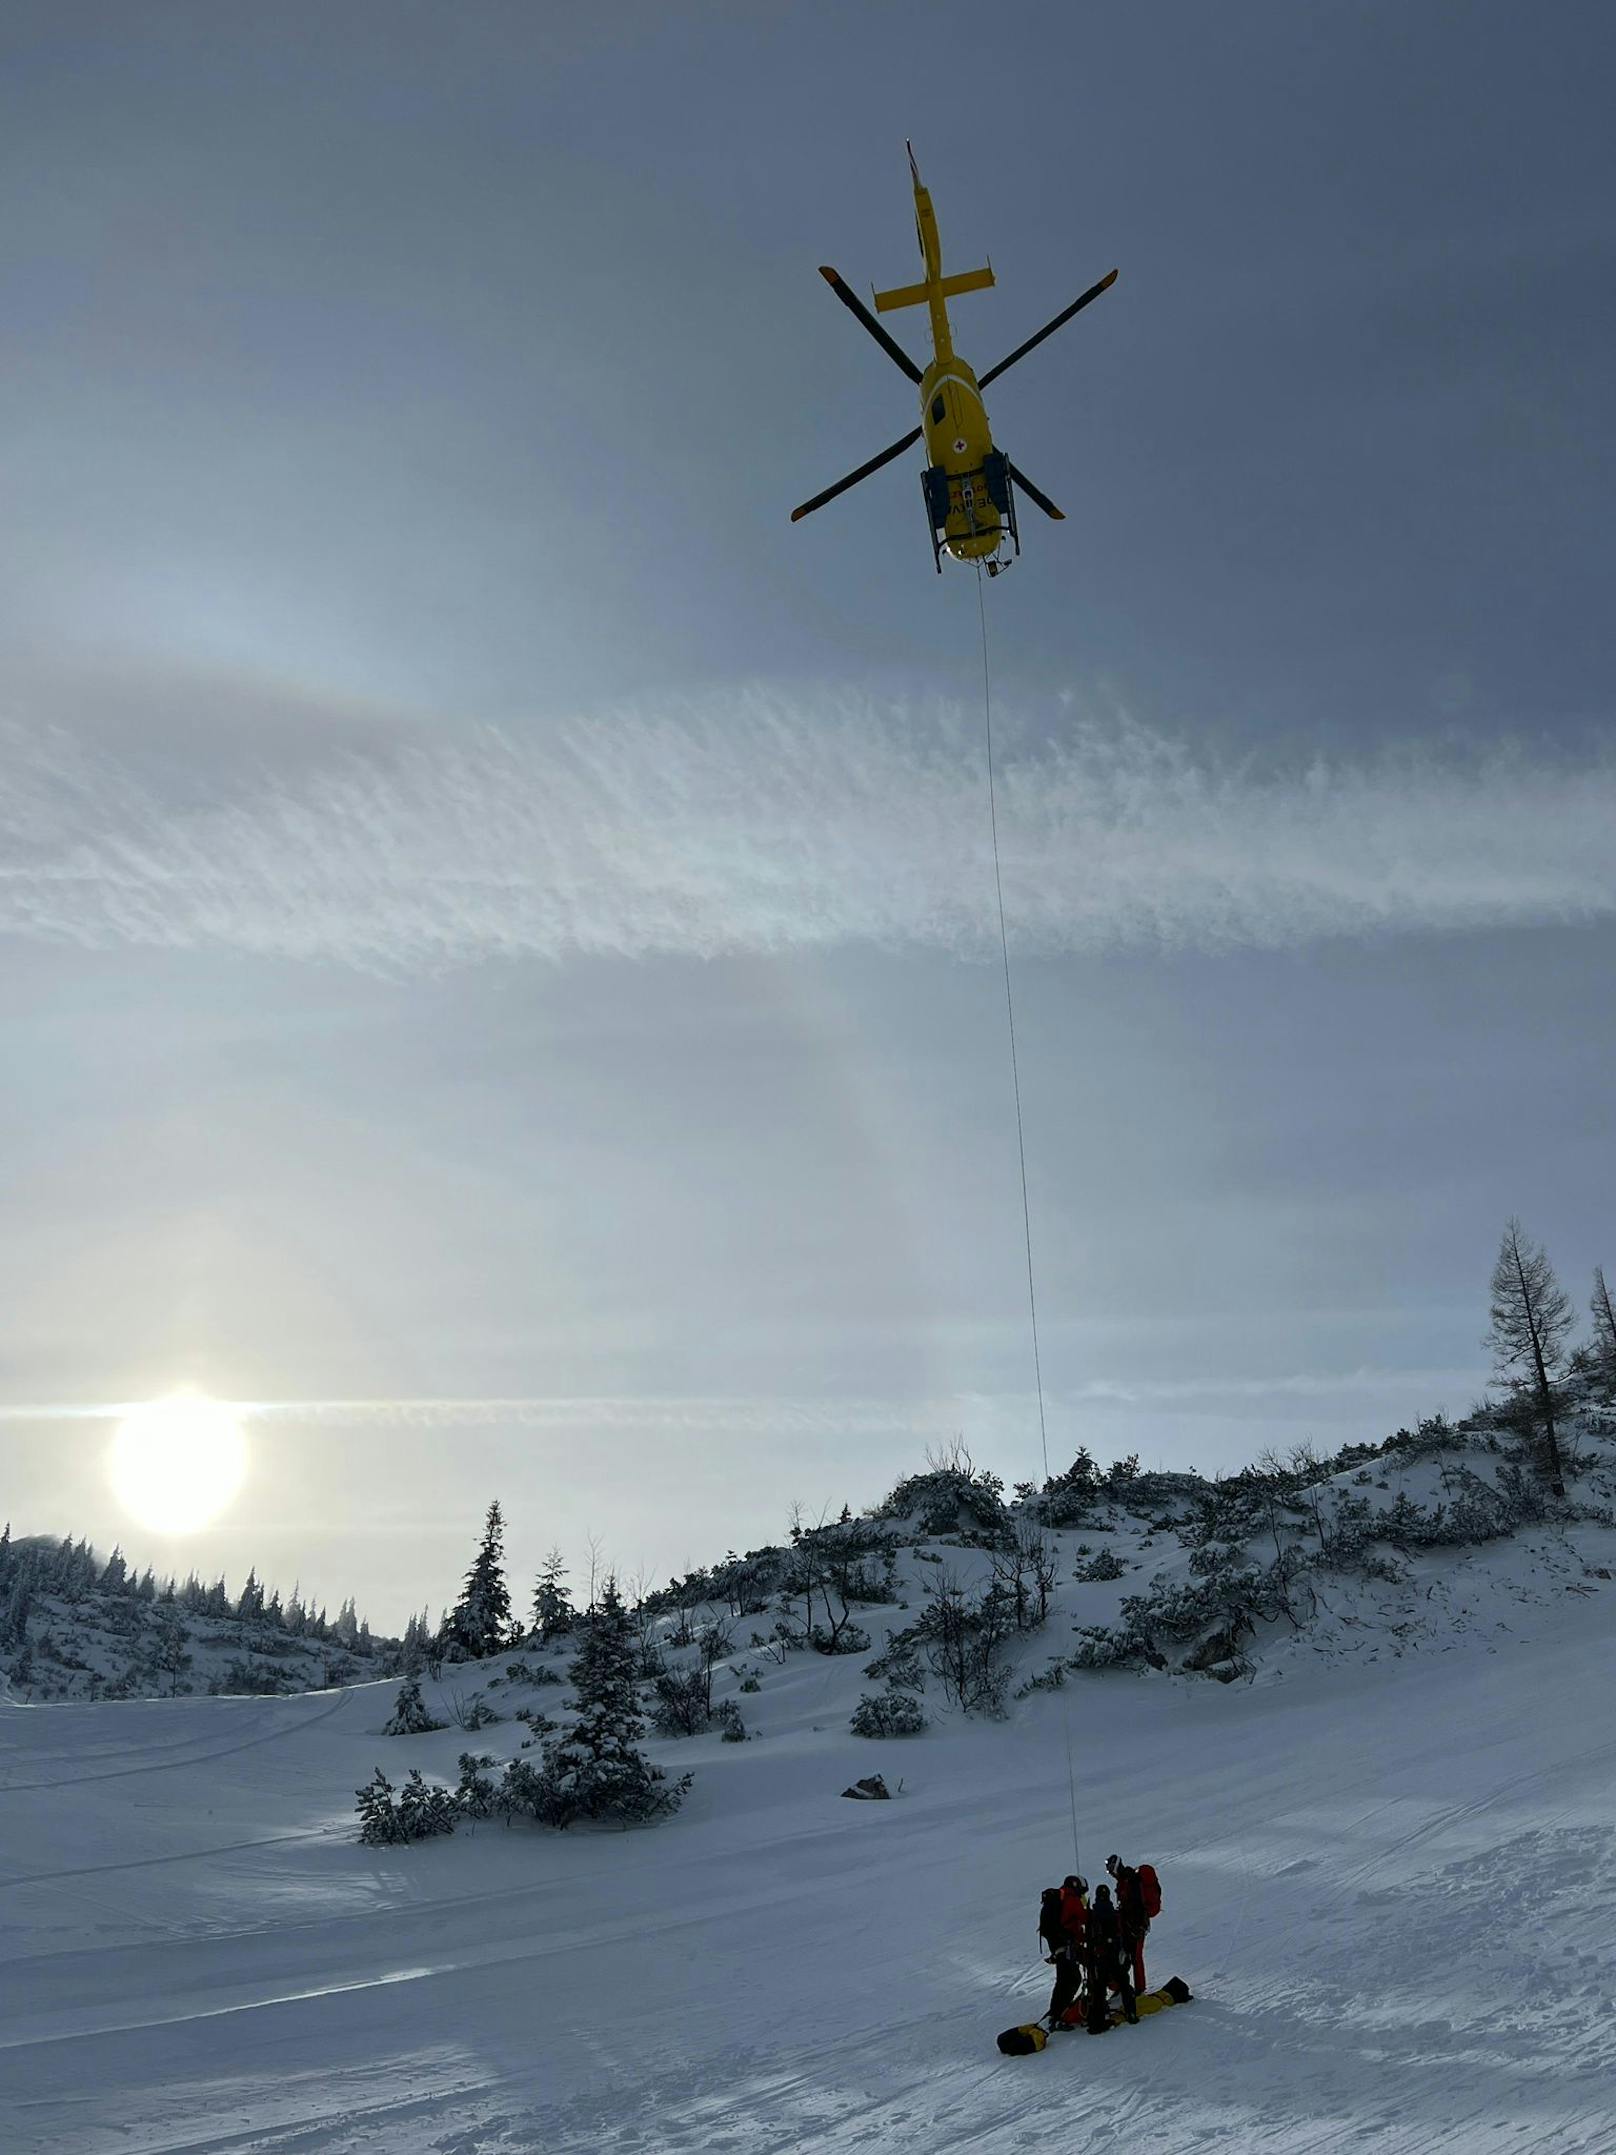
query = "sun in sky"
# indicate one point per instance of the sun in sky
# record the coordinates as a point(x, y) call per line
point(177, 1463)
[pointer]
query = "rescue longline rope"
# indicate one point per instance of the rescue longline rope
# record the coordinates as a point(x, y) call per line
point(1071, 1790)
point(1021, 1139)
point(1010, 1013)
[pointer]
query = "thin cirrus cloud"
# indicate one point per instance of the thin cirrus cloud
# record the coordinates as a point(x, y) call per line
point(766, 823)
point(730, 1415)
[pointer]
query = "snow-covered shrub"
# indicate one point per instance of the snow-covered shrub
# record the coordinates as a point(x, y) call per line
point(1434, 1434)
point(410, 1717)
point(1067, 1499)
point(1157, 1494)
point(728, 1716)
point(1213, 1557)
point(899, 1663)
point(839, 1639)
point(519, 1671)
point(425, 1808)
point(888, 1713)
point(1026, 1569)
point(421, 1810)
point(744, 1583)
point(955, 1498)
point(1182, 1611)
point(1051, 1677)
point(1104, 1564)
point(965, 1638)
point(1354, 1528)
point(750, 1683)
point(474, 1713)
point(1406, 1525)
point(250, 1679)
point(683, 1703)
point(520, 1791)
point(1482, 1512)
point(1105, 1646)
point(378, 1818)
point(476, 1794)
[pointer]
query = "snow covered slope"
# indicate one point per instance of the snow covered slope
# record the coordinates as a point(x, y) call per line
point(75, 1625)
point(1392, 1886)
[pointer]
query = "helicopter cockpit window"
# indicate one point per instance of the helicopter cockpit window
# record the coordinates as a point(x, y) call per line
point(938, 411)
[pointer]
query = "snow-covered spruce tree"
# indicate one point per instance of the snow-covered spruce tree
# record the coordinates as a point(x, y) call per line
point(480, 1621)
point(409, 1716)
point(425, 1808)
point(593, 1770)
point(553, 1613)
point(1068, 1498)
point(412, 1648)
point(476, 1794)
point(1531, 1321)
point(169, 1651)
point(378, 1819)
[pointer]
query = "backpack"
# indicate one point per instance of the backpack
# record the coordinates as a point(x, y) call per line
point(1149, 1890)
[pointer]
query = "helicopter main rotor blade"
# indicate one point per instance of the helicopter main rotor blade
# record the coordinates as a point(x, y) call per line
point(853, 477)
point(854, 305)
point(1032, 493)
point(1048, 330)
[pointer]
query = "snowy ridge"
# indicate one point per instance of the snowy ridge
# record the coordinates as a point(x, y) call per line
point(73, 1625)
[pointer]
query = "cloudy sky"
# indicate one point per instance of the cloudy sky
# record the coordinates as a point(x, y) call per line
point(497, 928)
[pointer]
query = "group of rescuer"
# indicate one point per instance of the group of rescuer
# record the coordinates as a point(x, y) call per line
point(1097, 1948)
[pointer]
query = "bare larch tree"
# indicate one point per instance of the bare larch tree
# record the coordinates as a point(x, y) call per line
point(1604, 1317)
point(1531, 1320)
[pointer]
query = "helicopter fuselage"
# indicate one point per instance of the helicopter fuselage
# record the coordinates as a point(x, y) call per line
point(960, 457)
point(966, 484)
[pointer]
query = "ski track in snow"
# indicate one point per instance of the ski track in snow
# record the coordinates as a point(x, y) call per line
point(1392, 1886)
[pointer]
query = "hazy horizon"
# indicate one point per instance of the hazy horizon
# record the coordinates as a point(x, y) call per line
point(498, 925)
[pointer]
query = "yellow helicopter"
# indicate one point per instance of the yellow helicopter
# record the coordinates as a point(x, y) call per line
point(969, 486)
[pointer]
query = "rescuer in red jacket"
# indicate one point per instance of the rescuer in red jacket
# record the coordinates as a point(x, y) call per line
point(1135, 1894)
